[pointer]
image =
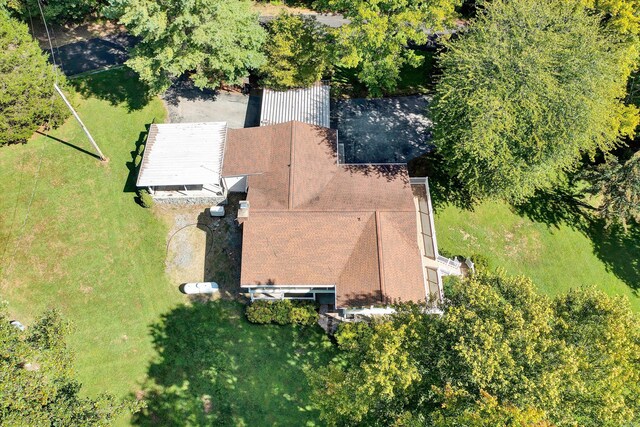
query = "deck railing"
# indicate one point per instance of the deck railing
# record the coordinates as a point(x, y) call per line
point(448, 261)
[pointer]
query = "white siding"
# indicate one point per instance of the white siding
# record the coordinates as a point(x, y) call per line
point(236, 184)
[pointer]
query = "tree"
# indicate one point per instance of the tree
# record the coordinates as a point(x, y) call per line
point(500, 354)
point(619, 186)
point(622, 15)
point(36, 378)
point(368, 386)
point(214, 40)
point(55, 11)
point(27, 98)
point(530, 88)
point(376, 39)
point(486, 412)
point(297, 52)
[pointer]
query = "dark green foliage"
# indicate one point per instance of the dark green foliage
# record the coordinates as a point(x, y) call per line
point(27, 97)
point(36, 378)
point(297, 52)
point(215, 41)
point(499, 351)
point(282, 312)
point(526, 91)
point(619, 186)
point(145, 199)
point(56, 11)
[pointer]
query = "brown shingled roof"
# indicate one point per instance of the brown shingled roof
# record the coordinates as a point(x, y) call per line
point(315, 222)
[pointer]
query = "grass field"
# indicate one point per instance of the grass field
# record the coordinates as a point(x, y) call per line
point(88, 249)
point(551, 248)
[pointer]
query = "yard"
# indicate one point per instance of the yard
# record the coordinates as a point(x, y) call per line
point(72, 237)
point(547, 243)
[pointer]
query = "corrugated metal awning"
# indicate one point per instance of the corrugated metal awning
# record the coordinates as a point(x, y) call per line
point(183, 154)
point(308, 105)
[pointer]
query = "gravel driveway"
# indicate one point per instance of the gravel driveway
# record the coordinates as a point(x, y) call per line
point(384, 130)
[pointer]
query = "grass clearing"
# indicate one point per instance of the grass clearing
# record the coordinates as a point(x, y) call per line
point(88, 249)
point(557, 257)
point(215, 368)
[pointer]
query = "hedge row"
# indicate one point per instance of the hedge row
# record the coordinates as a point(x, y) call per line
point(282, 312)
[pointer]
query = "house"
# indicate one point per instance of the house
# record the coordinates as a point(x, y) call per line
point(349, 236)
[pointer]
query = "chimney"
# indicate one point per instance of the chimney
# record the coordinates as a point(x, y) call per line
point(243, 211)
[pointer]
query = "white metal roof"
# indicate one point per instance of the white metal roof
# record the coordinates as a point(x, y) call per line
point(183, 154)
point(307, 105)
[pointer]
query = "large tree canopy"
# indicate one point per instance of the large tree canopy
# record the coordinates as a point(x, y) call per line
point(297, 52)
point(375, 41)
point(525, 92)
point(27, 98)
point(37, 387)
point(500, 352)
point(218, 40)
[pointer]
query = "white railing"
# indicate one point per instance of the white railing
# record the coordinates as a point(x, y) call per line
point(448, 261)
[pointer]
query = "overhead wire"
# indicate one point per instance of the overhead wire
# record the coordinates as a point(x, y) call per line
point(42, 149)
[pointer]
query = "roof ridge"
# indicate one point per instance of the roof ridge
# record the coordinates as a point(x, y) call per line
point(380, 255)
point(291, 168)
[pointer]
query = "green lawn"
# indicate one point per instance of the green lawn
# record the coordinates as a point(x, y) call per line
point(88, 249)
point(559, 256)
point(215, 368)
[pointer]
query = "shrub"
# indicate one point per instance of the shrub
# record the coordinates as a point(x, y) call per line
point(259, 313)
point(140, 149)
point(137, 161)
point(145, 199)
point(480, 262)
point(282, 312)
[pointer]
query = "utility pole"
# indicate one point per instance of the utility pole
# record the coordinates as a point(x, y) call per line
point(84, 128)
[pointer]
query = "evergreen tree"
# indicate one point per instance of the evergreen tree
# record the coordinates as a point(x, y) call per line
point(27, 98)
point(619, 186)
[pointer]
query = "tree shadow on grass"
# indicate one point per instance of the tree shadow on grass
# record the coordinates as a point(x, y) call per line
point(617, 248)
point(118, 86)
point(214, 368)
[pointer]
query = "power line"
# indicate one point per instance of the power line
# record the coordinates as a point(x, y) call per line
point(37, 174)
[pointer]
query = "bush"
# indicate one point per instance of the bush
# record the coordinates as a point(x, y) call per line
point(137, 161)
point(282, 312)
point(145, 199)
point(140, 149)
point(480, 262)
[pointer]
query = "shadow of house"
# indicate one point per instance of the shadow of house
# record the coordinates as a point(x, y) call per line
point(212, 367)
point(133, 165)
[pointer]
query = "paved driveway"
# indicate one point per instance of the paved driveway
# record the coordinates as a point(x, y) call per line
point(187, 104)
point(386, 130)
point(94, 54)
